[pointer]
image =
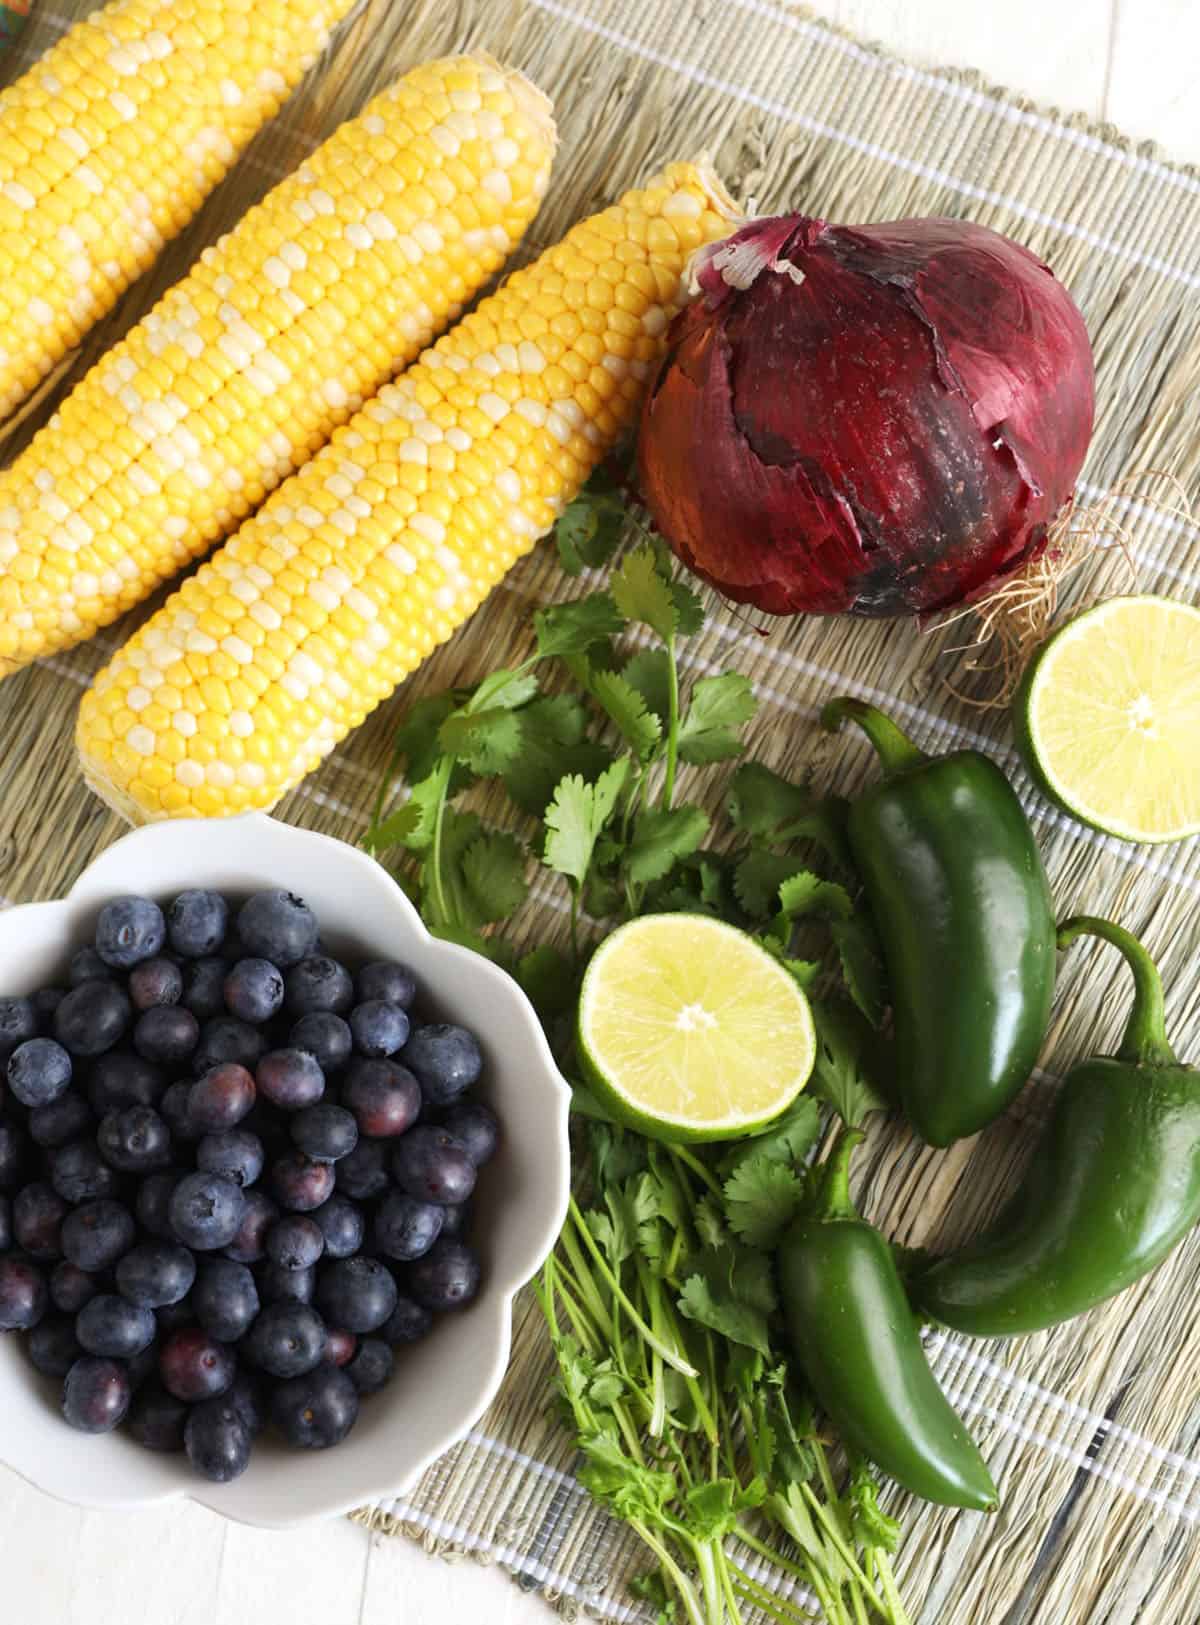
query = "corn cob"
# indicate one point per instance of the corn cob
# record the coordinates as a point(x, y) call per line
point(387, 541)
point(246, 367)
point(109, 145)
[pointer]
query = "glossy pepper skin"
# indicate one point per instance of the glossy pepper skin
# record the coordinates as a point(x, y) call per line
point(1113, 1186)
point(959, 894)
point(857, 1341)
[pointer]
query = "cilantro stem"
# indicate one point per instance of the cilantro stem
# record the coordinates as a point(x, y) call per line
point(755, 1592)
point(887, 1581)
point(680, 1153)
point(385, 785)
point(437, 893)
point(574, 890)
point(670, 1355)
point(684, 1588)
point(582, 1280)
point(836, 1539)
point(672, 723)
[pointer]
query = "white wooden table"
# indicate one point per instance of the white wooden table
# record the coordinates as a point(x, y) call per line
point(1131, 61)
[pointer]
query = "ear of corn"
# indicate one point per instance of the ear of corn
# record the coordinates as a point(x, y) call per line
point(109, 145)
point(387, 541)
point(280, 332)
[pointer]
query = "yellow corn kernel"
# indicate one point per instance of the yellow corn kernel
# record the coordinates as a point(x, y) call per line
point(216, 396)
point(349, 620)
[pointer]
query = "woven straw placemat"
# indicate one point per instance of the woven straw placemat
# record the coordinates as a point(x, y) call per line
point(1093, 1430)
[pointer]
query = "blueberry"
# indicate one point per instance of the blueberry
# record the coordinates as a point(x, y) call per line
point(156, 1419)
point(39, 1072)
point(340, 1346)
point(205, 1211)
point(456, 1218)
point(45, 1002)
point(277, 926)
point(71, 1288)
point(6, 1225)
point(341, 1225)
point(223, 1039)
point(135, 1141)
point(129, 930)
point(357, 1293)
point(217, 1441)
point(319, 984)
point(204, 987)
point(92, 1018)
point(300, 1185)
point(406, 1229)
point(96, 1394)
point(155, 983)
point(446, 1278)
point(156, 1273)
point(96, 1235)
point(80, 1174)
point(378, 1028)
point(384, 979)
point(63, 1120)
point(53, 1346)
point(371, 1368)
point(153, 1202)
point(194, 1366)
point(112, 1326)
point(122, 1078)
point(290, 1079)
point(254, 990)
point(446, 1061)
point(384, 1097)
point(294, 1242)
point(476, 1127)
point(325, 1133)
point(431, 1165)
point(196, 922)
point(18, 1024)
point(13, 1156)
point(258, 1215)
point(23, 1295)
point(233, 1152)
point(87, 966)
point(279, 1285)
point(287, 1339)
point(175, 1110)
point(245, 1395)
point(407, 1323)
point(221, 1097)
point(175, 1317)
point(225, 1299)
point(166, 1034)
point(316, 1411)
point(38, 1212)
point(325, 1036)
point(364, 1173)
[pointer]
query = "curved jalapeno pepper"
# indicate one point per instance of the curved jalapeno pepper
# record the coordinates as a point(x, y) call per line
point(958, 891)
point(857, 1340)
point(1113, 1185)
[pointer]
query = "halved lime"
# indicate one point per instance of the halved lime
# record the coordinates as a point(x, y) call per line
point(1107, 718)
point(689, 1030)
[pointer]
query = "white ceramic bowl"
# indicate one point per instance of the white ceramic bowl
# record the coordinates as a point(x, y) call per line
point(443, 1384)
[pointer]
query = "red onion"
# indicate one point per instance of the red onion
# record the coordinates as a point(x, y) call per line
point(873, 420)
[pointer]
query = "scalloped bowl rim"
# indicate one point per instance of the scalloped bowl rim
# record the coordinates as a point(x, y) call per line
point(467, 1354)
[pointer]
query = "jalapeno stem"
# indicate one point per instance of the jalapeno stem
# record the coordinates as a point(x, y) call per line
point(894, 748)
point(833, 1192)
point(1145, 1040)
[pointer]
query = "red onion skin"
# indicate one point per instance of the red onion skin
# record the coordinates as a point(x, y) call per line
point(890, 434)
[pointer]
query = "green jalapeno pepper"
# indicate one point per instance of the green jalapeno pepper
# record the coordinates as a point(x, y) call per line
point(1113, 1185)
point(858, 1344)
point(955, 881)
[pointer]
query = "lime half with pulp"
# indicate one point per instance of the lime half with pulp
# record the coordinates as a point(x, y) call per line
point(689, 1030)
point(1108, 718)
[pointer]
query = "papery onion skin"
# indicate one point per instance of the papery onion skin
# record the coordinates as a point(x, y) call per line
point(878, 420)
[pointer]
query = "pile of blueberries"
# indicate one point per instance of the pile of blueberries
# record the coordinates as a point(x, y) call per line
point(234, 1176)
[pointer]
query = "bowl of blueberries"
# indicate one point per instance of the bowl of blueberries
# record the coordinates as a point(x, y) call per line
point(273, 1163)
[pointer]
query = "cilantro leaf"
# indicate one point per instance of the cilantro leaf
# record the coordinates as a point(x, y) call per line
point(803, 972)
point(769, 807)
point(549, 981)
point(639, 728)
point(758, 877)
point(719, 707)
point(553, 744)
point(731, 1290)
point(761, 1199)
point(804, 894)
point(649, 672)
point(575, 627)
point(641, 593)
point(411, 824)
point(862, 966)
point(661, 837)
point(711, 1509)
point(689, 607)
point(710, 1223)
point(869, 1523)
point(494, 873)
point(588, 530)
point(575, 817)
point(847, 1073)
point(416, 736)
point(485, 741)
point(504, 691)
point(787, 1140)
